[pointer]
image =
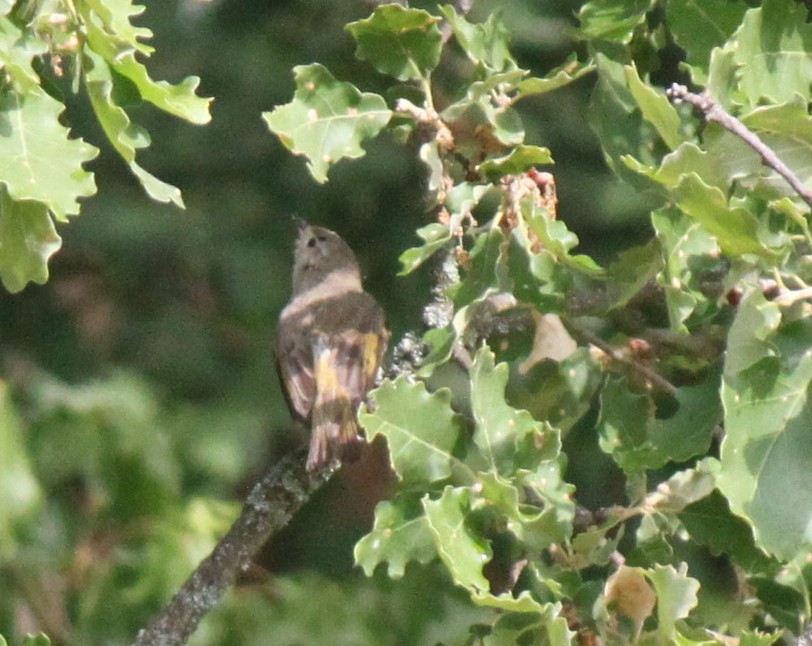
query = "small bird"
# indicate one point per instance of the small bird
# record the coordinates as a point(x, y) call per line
point(330, 342)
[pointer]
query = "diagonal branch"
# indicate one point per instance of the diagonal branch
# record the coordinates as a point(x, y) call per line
point(715, 112)
point(269, 507)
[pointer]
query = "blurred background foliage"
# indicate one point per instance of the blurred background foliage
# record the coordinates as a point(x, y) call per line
point(141, 375)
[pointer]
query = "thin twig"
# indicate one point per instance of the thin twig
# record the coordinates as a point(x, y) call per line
point(715, 112)
point(616, 355)
point(793, 296)
point(269, 507)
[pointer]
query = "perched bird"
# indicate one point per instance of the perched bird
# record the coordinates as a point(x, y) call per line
point(329, 344)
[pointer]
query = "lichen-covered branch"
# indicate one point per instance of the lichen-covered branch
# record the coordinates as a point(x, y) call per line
point(269, 507)
point(715, 112)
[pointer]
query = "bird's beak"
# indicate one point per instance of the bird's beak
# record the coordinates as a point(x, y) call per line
point(299, 222)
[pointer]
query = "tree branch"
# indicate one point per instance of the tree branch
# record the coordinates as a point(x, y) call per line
point(715, 112)
point(269, 507)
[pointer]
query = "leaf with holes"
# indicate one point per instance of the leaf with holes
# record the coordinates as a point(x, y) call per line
point(327, 119)
point(420, 428)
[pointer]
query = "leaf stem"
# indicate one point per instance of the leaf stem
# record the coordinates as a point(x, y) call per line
point(713, 111)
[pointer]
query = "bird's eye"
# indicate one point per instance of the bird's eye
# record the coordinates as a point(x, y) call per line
point(311, 242)
point(322, 238)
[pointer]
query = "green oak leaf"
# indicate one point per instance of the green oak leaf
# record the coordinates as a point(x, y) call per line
point(613, 20)
point(638, 441)
point(700, 25)
point(112, 37)
point(435, 236)
point(655, 108)
point(461, 549)
point(550, 629)
point(17, 51)
point(399, 41)
point(327, 119)
point(487, 43)
point(774, 48)
point(632, 271)
point(569, 71)
point(499, 429)
point(736, 228)
point(179, 99)
point(401, 534)
point(125, 136)
point(110, 20)
point(27, 240)
point(748, 339)
point(684, 488)
point(688, 252)
point(482, 275)
point(19, 488)
point(30, 140)
point(710, 522)
point(420, 427)
point(768, 414)
point(787, 130)
point(676, 596)
point(616, 118)
point(558, 240)
point(520, 159)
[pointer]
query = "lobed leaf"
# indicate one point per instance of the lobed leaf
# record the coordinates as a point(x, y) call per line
point(399, 41)
point(765, 452)
point(400, 534)
point(17, 51)
point(31, 138)
point(700, 25)
point(420, 428)
point(520, 159)
point(327, 119)
point(774, 47)
point(486, 43)
point(27, 241)
point(676, 596)
point(463, 551)
point(500, 430)
point(125, 136)
point(435, 236)
point(613, 20)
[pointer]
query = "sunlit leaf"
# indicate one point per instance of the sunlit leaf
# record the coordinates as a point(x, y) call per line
point(30, 140)
point(613, 20)
point(399, 41)
point(17, 52)
point(125, 136)
point(486, 43)
point(774, 44)
point(327, 119)
point(27, 240)
point(435, 236)
point(499, 429)
point(655, 108)
point(420, 428)
point(463, 552)
point(700, 25)
point(519, 160)
point(566, 73)
point(676, 596)
point(766, 447)
point(400, 534)
point(735, 228)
